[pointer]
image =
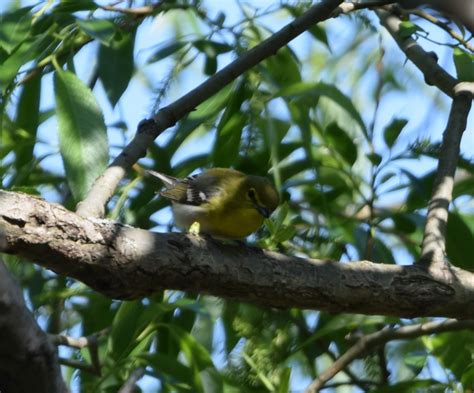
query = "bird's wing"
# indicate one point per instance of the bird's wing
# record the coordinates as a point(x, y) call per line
point(193, 190)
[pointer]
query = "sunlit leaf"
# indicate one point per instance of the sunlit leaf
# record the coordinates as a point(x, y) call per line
point(99, 29)
point(464, 63)
point(82, 132)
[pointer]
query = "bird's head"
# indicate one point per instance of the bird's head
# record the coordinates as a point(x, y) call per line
point(262, 194)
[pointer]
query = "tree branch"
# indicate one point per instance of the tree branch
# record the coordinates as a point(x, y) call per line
point(445, 26)
point(24, 346)
point(91, 342)
point(129, 386)
point(104, 186)
point(434, 239)
point(371, 341)
point(424, 61)
point(125, 262)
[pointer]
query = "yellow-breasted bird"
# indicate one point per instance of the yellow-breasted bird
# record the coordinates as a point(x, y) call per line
point(225, 203)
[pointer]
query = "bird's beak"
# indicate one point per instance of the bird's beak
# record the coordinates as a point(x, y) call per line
point(263, 211)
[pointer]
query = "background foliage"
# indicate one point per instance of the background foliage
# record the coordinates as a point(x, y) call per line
point(347, 130)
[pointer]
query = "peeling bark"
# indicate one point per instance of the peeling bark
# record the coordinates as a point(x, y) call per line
point(125, 262)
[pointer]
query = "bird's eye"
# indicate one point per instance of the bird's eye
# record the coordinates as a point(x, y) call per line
point(251, 193)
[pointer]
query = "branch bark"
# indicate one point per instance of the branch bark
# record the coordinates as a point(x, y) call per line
point(371, 341)
point(24, 346)
point(104, 186)
point(126, 262)
point(434, 239)
point(424, 61)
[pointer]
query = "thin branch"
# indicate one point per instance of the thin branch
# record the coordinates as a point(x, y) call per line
point(104, 186)
point(125, 262)
point(137, 11)
point(91, 342)
point(434, 239)
point(430, 18)
point(382, 360)
point(77, 342)
point(348, 7)
point(371, 341)
point(424, 61)
point(129, 386)
point(77, 364)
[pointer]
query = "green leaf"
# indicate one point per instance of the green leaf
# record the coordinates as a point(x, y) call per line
point(229, 130)
point(392, 131)
point(27, 119)
point(459, 242)
point(166, 50)
point(468, 375)
point(211, 48)
point(419, 385)
point(116, 65)
point(210, 65)
point(15, 27)
point(99, 29)
point(226, 148)
point(420, 189)
point(70, 6)
point(404, 223)
point(452, 350)
point(27, 51)
point(415, 362)
point(82, 133)
point(284, 386)
point(374, 158)
point(464, 63)
point(407, 29)
point(124, 329)
point(170, 366)
point(283, 68)
point(194, 352)
point(320, 34)
point(341, 142)
point(316, 90)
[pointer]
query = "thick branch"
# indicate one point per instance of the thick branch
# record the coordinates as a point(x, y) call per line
point(371, 341)
point(424, 61)
point(434, 239)
point(24, 346)
point(125, 262)
point(104, 186)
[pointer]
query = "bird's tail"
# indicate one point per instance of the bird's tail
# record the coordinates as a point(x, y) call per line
point(169, 181)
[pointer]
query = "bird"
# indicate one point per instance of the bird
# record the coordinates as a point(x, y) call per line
point(221, 202)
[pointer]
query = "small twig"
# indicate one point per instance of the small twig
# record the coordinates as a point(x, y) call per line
point(424, 61)
point(367, 343)
point(104, 186)
point(91, 342)
point(79, 342)
point(78, 365)
point(384, 372)
point(129, 386)
point(145, 10)
point(347, 7)
point(430, 18)
point(434, 239)
point(365, 382)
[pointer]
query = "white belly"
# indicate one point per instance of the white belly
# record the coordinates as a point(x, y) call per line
point(186, 215)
